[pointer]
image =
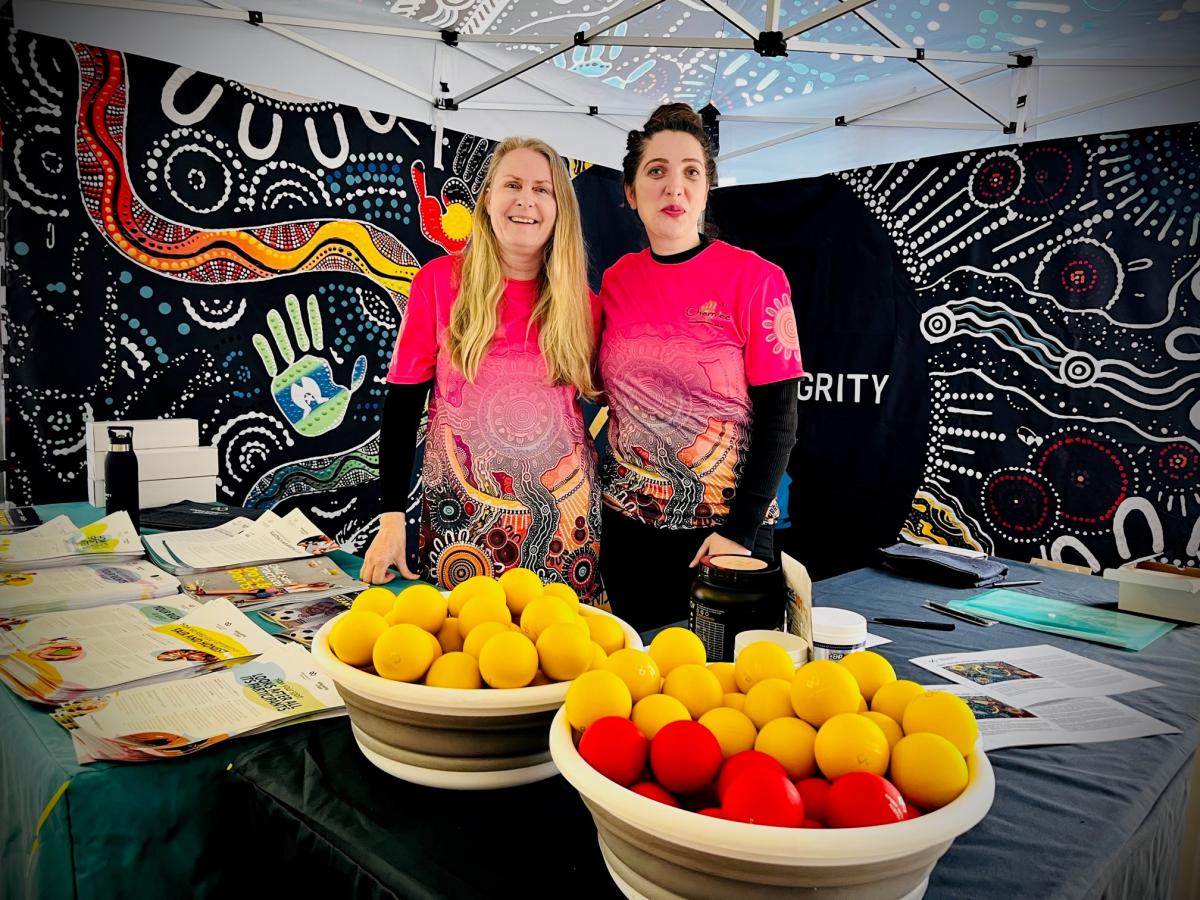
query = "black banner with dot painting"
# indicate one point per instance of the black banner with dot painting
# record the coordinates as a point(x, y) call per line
point(186, 246)
point(1002, 349)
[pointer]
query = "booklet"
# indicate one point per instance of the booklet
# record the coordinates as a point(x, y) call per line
point(59, 543)
point(1082, 720)
point(32, 591)
point(282, 687)
point(1024, 675)
point(121, 618)
point(1076, 620)
point(239, 542)
point(95, 658)
point(267, 584)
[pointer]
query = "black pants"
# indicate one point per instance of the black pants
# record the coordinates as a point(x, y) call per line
point(645, 569)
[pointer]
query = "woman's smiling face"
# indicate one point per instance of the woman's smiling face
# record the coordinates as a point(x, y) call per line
point(521, 204)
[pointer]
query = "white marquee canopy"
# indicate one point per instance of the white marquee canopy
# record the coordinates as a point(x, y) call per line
point(801, 87)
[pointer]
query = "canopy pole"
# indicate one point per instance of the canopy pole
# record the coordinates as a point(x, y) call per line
point(732, 16)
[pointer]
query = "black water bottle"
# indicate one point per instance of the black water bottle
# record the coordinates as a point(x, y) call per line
point(121, 475)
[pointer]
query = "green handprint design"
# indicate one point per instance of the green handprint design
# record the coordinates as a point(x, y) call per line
point(305, 391)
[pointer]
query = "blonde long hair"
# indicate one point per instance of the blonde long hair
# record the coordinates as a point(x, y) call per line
point(562, 311)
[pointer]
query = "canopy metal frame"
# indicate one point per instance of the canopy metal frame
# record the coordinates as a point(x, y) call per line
point(769, 41)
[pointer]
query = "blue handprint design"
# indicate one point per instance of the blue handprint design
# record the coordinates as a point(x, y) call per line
point(597, 61)
point(305, 391)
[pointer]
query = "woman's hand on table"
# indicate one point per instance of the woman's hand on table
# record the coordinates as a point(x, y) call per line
point(715, 545)
point(387, 549)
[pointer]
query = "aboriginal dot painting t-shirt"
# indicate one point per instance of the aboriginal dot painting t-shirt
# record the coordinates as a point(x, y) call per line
point(510, 470)
point(680, 345)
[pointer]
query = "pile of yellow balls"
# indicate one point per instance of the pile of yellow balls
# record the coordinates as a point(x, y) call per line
point(506, 632)
point(822, 718)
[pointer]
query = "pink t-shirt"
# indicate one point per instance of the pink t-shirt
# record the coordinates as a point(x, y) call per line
point(680, 345)
point(510, 470)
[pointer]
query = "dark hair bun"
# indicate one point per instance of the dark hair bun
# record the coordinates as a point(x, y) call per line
point(675, 113)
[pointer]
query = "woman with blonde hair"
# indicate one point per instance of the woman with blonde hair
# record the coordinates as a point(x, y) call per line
point(503, 335)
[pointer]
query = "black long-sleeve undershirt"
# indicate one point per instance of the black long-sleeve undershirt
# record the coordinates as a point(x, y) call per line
point(772, 437)
point(403, 407)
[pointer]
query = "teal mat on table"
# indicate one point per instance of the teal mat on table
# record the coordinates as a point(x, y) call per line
point(113, 830)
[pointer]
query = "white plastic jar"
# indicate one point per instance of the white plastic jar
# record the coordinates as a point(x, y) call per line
point(837, 632)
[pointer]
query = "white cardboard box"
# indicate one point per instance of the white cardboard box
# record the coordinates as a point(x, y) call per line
point(162, 462)
point(163, 491)
point(148, 434)
point(1158, 589)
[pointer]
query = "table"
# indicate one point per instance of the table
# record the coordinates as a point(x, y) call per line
point(109, 829)
point(1068, 821)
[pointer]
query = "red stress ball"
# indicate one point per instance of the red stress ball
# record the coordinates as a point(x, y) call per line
point(763, 797)
point(858, 799)
point(745, 761)
point(684, 756)
point(654, 792)
point(615, 748)
point(815, 794)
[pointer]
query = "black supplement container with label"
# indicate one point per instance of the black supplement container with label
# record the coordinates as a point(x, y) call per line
point(732, 594)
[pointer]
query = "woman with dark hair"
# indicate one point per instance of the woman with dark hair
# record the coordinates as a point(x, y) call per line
point(699, 359)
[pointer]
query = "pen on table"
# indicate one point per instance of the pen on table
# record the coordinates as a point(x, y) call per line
point(1015, 583)
point(958, 614)
point(913, 623)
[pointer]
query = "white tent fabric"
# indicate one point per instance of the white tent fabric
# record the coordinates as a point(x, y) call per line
point(906, 78)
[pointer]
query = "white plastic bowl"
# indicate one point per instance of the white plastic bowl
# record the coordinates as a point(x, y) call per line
point(450, 738)
point(654, 850)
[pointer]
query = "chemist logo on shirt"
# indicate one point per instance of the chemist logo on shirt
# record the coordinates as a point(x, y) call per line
point(710, 312)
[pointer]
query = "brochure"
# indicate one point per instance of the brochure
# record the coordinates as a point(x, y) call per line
point(239, 542)
point(32, 591)
point(59, 543)
point(282, 687)
point(1082, 720)
point(1076, 620)
point(95, 658)
point(1025, 675)
point(266, 584)
point(121, 618)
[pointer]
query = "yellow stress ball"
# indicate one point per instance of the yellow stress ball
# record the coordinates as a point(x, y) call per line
point(508, 660)
point(737, 701)
point(651, 713)
point(676, 646)
point(893, 697)
point(869, 669)
point(821, 690)
point(422, 605)
point(891, 730)
point(733, 730)
point(404, 653)
point(695, 687)
point(760, 660)
point(594, 695)
point(724, 673)
point(637, 669)
point(768, 700)
point(448, 635)
point(454, 670)
point(599, 657)
point(375, 599)
point(941, 713)
point(565, 651)
point(521, 586)
point(543, 612)
point(928, 770)
point(354, 634)
point(790, 741)
point(605, 631)
point(563, 592)
point(476, 586)
point(480, 635)
point(480, 609)
point(849, 742)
